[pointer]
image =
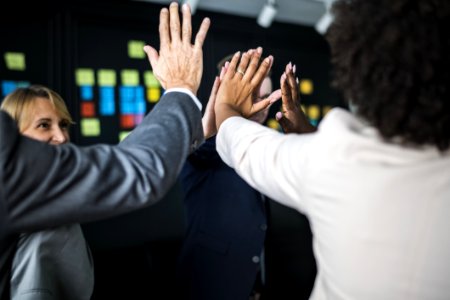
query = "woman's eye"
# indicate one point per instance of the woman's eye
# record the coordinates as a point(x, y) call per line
point(64, 125)
point(44, 125)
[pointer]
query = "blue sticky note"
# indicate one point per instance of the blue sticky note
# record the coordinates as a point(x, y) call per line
point(107, 108)
point(140, 93)
point(8, 86)
point(140, 106)
point(126, 93)
point(127, 107)
point(86, 92)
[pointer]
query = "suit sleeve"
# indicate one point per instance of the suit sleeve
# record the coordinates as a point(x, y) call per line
point(45, 186)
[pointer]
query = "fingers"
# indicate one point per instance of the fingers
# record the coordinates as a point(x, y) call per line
point(214, 89)
point(223, 71)
point(174, 20)
point(274, 96)
point(255, 57)
point(262, 71)
point(187, 24)
point(286, 96)
point(259, 106)
point(164, 35)
point(232, 66)
point(152, 55)
point(241, 69)
point(201, 34)
point(292, 83)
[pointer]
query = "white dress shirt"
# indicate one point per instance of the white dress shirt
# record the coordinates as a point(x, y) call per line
point(379, 211)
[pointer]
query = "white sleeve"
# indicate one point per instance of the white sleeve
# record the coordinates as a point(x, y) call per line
point(271, 162)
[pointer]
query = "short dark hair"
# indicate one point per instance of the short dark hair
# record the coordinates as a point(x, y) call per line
point(392, 61)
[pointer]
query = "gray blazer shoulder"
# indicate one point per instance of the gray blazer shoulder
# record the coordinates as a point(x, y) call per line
point(44, 186)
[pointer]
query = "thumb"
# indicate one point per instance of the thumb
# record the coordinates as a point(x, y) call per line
point(152, 55)
point(275, 96)
point(284, 123)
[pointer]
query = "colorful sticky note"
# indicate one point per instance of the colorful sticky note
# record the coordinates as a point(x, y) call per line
point(106, 77)
point(150, 80)
point(127, 121)
point(15, 61)
point(306, 86)
point(272, 123)
point(90, 127)
point(126, 93)
point(87, 109)
point(84, 76)
point(107, 108)
point(22, 84)
point(138, 119)
point(313, 112)
point(8, 86)
point(86, 92)
point(130, 77)
point(123, 135)
point(136, 49)
point(153, 94)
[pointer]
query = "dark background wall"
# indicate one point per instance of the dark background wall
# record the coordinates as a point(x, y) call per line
point(57, 38)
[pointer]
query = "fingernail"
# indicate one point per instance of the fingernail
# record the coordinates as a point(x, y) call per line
point(296, 79)
point(294, 68)
point(259, 50)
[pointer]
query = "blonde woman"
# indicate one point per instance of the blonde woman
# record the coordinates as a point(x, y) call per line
point(54, 263)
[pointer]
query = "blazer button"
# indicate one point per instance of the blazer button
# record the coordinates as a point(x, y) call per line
point(255, 259)
point(263, 227)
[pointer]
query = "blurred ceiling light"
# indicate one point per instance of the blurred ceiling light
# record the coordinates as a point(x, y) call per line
point(267, 14)
point(193, 4)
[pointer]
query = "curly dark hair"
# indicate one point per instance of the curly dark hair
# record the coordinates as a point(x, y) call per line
point(392, 61)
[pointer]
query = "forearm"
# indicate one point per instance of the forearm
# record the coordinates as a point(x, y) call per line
point(71, 184)
point(224, 111)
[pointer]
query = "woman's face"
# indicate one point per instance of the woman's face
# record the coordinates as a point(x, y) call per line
point(46, 124)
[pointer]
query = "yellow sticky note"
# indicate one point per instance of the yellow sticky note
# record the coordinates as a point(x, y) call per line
point(306, 86)
point(15, 61)
point(135, 49)
point(106, 77)
point(84, 76)
point(130, 77)
point(272, 123)
point(90, 127)
point(153, 94)
point(313, 112)
point(150, 80)
point(123, 135)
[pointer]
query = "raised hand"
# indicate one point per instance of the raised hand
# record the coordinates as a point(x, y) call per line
point(292, 118)
point(240, 85)
point(179, 63)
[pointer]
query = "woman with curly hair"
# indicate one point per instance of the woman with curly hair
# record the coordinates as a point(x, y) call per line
point(374, 182)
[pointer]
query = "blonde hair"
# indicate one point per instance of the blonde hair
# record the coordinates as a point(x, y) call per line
point(19, 103)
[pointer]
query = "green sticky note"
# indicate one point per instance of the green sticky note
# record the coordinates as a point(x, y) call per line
point(135, 49)
point(106, 77)
point(130, 77)
point(123, 135)
point(15, 61)
point(150, 80)
point(90, 127)
point(84, 76)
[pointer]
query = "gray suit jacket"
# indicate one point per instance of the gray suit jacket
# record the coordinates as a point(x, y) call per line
point(44, 186)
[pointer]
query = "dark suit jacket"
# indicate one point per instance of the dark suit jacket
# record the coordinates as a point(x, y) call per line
point(44, 186)
point(226, 230)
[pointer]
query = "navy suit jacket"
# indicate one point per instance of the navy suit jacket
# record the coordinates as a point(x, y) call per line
point(43, 186)
point(226, 226)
